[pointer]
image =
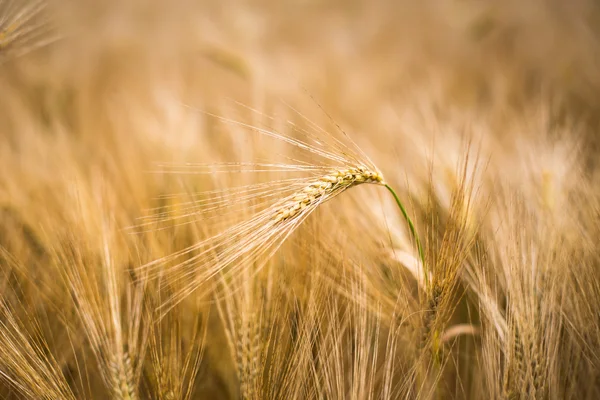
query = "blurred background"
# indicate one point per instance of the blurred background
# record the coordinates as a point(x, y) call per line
point(94, 93)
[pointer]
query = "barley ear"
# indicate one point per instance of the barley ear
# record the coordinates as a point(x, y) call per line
point(122, 379)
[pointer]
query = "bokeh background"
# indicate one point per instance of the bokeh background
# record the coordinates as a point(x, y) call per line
point(118, 86)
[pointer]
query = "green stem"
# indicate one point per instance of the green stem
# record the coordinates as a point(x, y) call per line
point(413, 231)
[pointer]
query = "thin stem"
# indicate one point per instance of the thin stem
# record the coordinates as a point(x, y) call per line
point(413, 231)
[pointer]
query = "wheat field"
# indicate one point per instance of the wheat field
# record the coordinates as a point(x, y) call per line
point(225, 199)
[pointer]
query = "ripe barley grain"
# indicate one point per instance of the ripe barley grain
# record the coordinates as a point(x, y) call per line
point(325, 188)
point(122, 378)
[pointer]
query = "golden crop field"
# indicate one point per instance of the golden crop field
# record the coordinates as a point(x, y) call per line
point(299, 199)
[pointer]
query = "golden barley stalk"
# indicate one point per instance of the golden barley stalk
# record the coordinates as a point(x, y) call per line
point(257, 239)
point(262, 234)
point(251, 243)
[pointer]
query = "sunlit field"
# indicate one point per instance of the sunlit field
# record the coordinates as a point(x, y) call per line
point(299, 199)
